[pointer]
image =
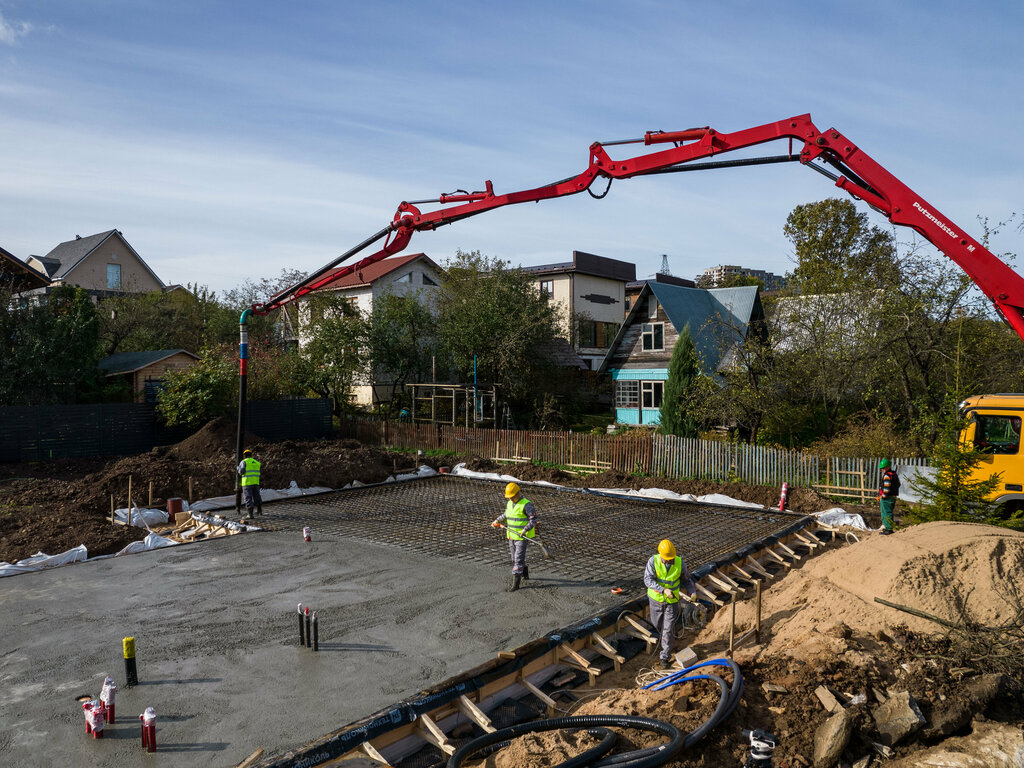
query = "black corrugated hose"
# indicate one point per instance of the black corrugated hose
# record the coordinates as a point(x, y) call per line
point(596, 726)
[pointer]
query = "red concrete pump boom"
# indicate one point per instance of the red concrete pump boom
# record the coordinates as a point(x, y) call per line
point(858, 174)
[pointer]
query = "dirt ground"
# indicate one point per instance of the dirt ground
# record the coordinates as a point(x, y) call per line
point(53, 506)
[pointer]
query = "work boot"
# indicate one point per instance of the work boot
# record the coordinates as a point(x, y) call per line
point(665, 664)
point(259, 511)
point(514, 584)
point(526, 571)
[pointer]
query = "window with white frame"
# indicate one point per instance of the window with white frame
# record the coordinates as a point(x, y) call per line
point(627, 394)
point(114, 277)
point(547, 288)
point(652, 306)
point(651, 392)
point(653, 336)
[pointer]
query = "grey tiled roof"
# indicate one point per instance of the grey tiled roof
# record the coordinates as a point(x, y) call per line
point(128, 362)
point(69, 253)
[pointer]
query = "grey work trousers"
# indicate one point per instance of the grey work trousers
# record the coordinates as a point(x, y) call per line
point(663, 617)
point(517, 549)
point(251, 496)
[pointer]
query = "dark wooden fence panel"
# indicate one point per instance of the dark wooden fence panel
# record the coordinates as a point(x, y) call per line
point(37, 433)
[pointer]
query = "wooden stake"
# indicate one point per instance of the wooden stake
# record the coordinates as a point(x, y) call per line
point(150, 493)
point(190, 490)
point(757, 624)
point(732, 624)
point(129, 499)
point(251, 759)
point(111, 509)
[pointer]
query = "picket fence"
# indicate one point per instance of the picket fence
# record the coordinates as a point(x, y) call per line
point(639, 453)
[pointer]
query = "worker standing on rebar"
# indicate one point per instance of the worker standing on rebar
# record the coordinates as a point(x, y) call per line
point(520, 521)
point(249, 470)
point(888, 492)
point(665, 576)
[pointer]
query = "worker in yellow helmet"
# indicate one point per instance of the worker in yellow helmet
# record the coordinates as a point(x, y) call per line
point(520, 521)
point(249, 470)
point(666, 577)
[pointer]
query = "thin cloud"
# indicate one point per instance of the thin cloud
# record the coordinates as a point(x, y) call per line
point(10, 31)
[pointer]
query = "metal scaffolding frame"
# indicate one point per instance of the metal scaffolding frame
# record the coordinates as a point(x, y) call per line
point(451, 403)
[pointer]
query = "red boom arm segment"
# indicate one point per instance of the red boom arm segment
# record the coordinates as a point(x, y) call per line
point(860, 176)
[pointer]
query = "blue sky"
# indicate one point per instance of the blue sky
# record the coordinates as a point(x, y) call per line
point(229, 140)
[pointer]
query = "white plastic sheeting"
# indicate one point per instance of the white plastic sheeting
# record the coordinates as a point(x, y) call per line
point(267, 494)
point(837, 516)
point(142, 518)
point(645, 493)
point(909, 476)
point(40, 561)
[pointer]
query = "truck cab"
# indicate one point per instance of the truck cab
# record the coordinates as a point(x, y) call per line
point(994, 427)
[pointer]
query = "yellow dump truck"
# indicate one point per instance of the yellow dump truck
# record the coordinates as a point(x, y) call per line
point(994, 427)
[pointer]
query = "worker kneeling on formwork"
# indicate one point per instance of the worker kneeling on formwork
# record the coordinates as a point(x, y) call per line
point(520, 524)
point(665, 575)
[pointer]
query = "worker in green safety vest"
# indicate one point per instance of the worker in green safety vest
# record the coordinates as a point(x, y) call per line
point(520, 523)
point(666, 576)
point(249, 471)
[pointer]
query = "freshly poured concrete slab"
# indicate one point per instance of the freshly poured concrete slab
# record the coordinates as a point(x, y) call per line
point(217, 642)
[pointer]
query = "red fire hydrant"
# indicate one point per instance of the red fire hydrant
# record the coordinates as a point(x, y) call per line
point(784, 498)
point(95, 718)
point(107, 698)
point(148, 719)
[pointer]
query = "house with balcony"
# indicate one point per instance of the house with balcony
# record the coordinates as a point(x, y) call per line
point(720, 319)
point(591, 293)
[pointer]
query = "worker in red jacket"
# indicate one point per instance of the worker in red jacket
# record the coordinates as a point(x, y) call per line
point(888, 492)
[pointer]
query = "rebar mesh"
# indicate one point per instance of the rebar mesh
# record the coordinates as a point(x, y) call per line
point(592, 537)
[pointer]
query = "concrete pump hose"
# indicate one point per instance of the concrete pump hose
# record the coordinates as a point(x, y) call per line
point(648, 758)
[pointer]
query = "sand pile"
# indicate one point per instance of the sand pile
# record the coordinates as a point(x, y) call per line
point(951, 570)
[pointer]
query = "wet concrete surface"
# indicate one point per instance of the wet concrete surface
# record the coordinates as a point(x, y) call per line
point(217, 642)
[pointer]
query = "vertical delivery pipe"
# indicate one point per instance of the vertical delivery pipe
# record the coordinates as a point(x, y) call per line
point(243, 370)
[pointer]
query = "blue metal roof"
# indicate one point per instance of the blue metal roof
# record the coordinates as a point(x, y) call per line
point(718, 317)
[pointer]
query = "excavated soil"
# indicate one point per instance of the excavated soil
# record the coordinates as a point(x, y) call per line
point(53, 506)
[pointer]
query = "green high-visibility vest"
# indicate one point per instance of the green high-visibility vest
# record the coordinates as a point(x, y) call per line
point(516, 520)
point(250, 472)
point(667, 576)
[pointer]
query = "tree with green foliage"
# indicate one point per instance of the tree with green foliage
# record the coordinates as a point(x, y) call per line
point(678, 412)
point(956, 492)
point(488, 309)
point(194, 395)
point(50, 347)
point(333, 358)
point(401, 340)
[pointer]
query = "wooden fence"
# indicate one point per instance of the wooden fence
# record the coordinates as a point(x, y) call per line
point(640, 453)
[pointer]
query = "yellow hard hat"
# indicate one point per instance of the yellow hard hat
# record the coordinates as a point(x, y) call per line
point(667, 550)
point(511, 490)
point(246, 452)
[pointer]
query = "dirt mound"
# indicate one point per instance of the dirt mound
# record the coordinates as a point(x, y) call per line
point(951, 570)
point(219, 437)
